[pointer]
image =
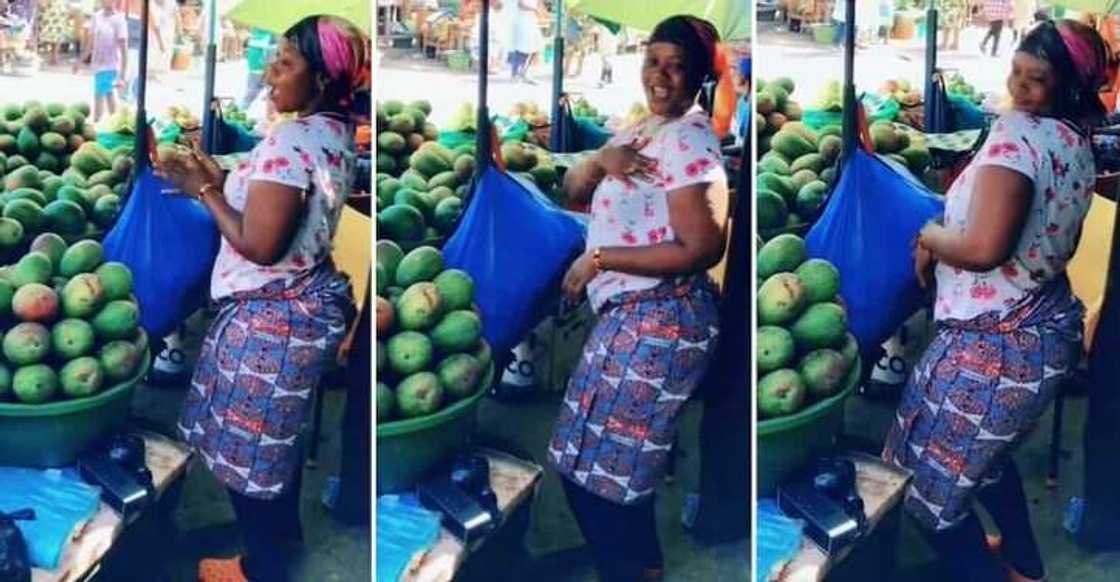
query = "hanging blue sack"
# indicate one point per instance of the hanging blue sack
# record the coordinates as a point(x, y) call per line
point(868, 230)
point(169, 241)
point(516, 245)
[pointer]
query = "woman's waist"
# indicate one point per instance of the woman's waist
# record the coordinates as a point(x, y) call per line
point(1051, 305)
point(697, 286)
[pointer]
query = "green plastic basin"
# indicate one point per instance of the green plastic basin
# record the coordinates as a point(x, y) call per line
point(54, 434)
point(787, 443)
point(407, 450)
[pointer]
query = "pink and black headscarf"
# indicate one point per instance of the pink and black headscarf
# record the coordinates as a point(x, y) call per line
point(1080, 60)
point(339, 56)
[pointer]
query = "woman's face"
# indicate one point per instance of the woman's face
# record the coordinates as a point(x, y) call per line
point(291, 79)
point(665, 80)
point(1031, 84)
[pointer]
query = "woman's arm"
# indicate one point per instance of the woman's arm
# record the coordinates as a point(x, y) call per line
point(581, 180)
point(264, 231)
point(996, 217)
point(698, 245)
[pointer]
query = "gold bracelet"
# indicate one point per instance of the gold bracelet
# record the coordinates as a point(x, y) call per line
point(207, 190)
point(597, 259)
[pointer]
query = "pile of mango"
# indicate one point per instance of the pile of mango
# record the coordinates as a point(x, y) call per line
point(430, 349)
point(803, 348)
point(424, 202)
point(401, 130)
point(70, 323)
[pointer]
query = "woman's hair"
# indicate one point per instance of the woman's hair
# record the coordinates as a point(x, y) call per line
point(1080, 60)
point(706, 61)
point(338, 55)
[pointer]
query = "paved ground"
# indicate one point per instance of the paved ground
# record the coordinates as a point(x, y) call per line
point(781, 53)
point(407, 75)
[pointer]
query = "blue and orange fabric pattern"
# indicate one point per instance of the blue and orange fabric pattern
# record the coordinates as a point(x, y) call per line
point(645, 357)
point(262, 358)
point(977, 391)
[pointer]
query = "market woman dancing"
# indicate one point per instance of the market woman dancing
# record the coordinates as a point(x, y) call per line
point(283, 307)
point(1009, 328)
point(653, 236)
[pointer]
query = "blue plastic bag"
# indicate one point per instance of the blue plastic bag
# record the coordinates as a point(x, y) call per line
point(868, 230)
point(516, 245)
point(169, 241)
point(60, 500)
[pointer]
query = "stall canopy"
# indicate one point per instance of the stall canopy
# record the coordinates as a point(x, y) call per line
point(276, 16)
point(733, 18)
point(1094, 6)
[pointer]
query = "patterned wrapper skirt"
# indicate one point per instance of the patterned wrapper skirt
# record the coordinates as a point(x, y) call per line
point(262, 357)
point(976, 393)
point(645, 357)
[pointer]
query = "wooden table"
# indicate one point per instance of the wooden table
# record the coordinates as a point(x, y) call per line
point(513, 481)
point(167, 461)
point(881, 487)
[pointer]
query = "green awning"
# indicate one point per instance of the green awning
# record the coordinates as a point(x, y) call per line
point(277, 16)
point(1095, 6)
point(732, 18)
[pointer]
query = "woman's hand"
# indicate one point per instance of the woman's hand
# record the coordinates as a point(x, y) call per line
point(191, 171)
point(579, 275)
point(923, 266)
point(625, 161)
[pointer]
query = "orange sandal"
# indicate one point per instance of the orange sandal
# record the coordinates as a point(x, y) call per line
point(219, 570)
point(995, 545)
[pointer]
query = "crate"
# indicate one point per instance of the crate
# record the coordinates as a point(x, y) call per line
point(459, 62)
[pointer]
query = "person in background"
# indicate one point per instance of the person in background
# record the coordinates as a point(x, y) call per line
point(575, 46)
point(998, 13)
point(606, 43)
point(283, 308)
point(743, 113)
point(839, 20)
point(654, 234)
point(1009, 329)
point(163, 14)
point(886, 20)
point(527, 39)
point(262, 46)
point(1022, 17)
point(952, 18)
point(107, 55)
point(51, 25)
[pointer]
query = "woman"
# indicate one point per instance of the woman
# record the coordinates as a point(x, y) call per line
point(652, 238)
point(52, 23)
point(998, 12)
point(526, 40)
point(283, 307)
point(1008, 326)
point(953, 18)
point(1023, 17)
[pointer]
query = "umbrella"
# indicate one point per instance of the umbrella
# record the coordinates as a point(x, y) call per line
point(277, 17)
point(732, 18)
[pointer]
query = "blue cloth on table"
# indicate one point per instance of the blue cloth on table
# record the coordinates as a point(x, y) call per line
point(403, 530)
point(61, 501)
point(778, 538)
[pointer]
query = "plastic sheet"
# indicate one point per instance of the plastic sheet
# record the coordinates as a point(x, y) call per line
point(778, 539)
point(61, 502)
point(403, 530)
point(169, 241)
point(868, 230)
point(516, 245)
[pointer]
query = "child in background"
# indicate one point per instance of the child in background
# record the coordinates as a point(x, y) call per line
point(107, 56)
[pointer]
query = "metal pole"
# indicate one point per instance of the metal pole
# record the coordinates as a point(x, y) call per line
point(556, 139)
point(141, 153)
point(850, 131)
point(482, 154)
point(208, 118)
point(931, 66)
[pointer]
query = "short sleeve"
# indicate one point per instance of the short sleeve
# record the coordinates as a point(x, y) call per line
point(284, 156)
point(690, 154)
point(1010, 145)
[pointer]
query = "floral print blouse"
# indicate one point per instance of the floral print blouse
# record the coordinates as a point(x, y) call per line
point(636, 214)
point(1059, 162)
point(314, 154)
